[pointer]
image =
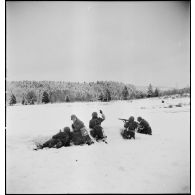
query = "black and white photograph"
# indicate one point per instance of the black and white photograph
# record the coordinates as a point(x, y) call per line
point(98, 97)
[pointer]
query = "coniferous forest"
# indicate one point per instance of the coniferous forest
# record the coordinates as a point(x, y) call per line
point(42, 92)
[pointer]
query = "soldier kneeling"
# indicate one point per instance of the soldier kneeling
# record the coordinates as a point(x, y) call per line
point(130, 127)
point(80, 135)
point(143, 126)
point(96, 129)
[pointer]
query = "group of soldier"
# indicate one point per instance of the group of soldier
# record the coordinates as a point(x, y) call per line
point(131, 126)
point(80, 136)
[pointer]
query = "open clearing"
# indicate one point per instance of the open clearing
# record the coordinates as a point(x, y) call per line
point(149, 164)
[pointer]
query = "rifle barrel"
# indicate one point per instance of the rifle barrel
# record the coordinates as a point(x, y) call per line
point(123, 119)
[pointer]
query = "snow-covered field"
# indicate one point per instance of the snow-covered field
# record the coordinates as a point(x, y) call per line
point(149, 164)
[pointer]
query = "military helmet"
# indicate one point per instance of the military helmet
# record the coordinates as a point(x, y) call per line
point(131, 118)
point(73, 116)
point(94, 114)
point(139, 118)
point(66, 129)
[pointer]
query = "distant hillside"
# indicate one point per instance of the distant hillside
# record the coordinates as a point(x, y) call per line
point(30, 92)
point(59, 91)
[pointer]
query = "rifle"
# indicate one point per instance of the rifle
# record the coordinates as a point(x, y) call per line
point(124, 120)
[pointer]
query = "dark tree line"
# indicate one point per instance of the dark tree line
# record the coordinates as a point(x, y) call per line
point(31, 92)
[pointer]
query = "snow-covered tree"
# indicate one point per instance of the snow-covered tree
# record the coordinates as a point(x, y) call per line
point(12, 100)
point(67, 99)
point(125, 93)
point(31, 97)
point(150, 91)
point(45, 97)
point(156, 92)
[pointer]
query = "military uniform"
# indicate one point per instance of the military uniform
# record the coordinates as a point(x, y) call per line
point(95, 126)
point(64, 137)
point(130, 127)
point(58, 140)
point(50, 144)
point(144, 127)
point(80, 135)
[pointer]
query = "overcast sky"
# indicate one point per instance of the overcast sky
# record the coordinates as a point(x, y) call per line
point(132, 42)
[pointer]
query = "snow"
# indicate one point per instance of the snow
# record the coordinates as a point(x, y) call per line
point(149, 164)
